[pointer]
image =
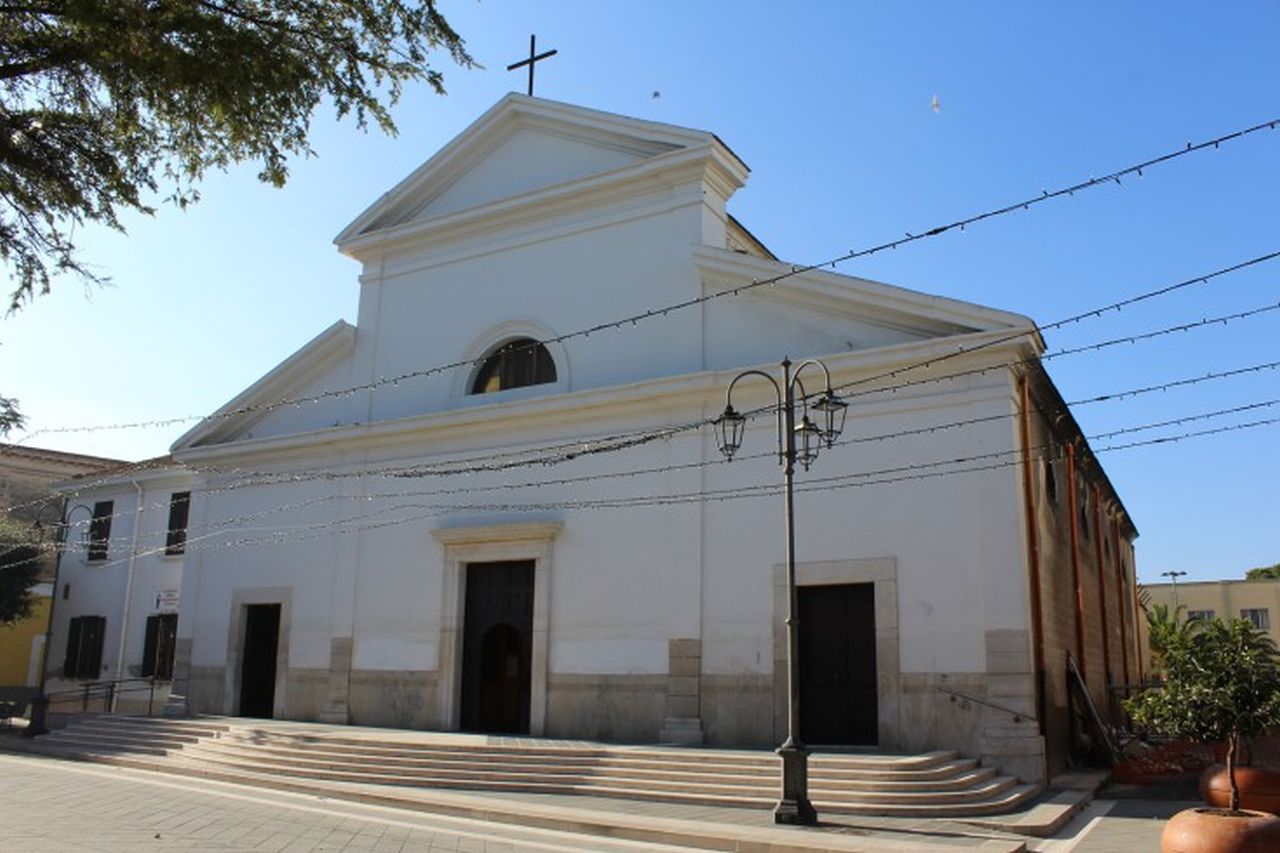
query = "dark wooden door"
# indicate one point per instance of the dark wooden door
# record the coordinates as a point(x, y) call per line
point(497, 642)
point(837, 658)
point(258, 665)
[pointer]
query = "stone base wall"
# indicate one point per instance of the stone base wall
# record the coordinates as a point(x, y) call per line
point(205, 688)
point(737, 710)
point(936, 710)
point(306, 694)
point(394, 698)
point(622, 708)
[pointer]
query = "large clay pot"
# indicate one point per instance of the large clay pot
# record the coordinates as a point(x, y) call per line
point(1221, 831)
point(1259, 788)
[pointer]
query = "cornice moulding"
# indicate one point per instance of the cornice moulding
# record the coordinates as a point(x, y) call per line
point(653, 397)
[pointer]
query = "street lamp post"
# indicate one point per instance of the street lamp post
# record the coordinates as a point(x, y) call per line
point(796, 443)
point(40, 705)
point(1173, 578)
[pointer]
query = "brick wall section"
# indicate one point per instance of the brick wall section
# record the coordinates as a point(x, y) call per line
point(1051, 494)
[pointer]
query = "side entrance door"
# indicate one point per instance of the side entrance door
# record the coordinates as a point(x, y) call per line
point(258, 663)
point(837, 657)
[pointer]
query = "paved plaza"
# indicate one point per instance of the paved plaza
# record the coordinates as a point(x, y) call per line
point(48, 805)
point(52, 805)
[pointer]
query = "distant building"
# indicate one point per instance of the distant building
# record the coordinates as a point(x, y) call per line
point(119, 581)
point(26, 477)
point(1257, 601)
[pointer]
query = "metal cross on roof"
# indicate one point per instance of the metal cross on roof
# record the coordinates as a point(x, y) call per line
point(534, 56)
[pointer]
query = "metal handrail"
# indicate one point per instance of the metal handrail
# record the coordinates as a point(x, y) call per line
point(108, 690)
point(1018, 716)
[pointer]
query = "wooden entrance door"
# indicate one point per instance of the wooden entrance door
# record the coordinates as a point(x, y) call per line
point(837, 657)
point(497, 644)
point(258, 663)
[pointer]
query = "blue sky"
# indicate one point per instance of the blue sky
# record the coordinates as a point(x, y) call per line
point(830, 106)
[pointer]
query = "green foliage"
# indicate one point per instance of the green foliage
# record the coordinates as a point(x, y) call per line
point(19, 567)
point(10, 417)
point(1167, 632)
point(1264, 573)
point(1222, 683)
point(104, 103)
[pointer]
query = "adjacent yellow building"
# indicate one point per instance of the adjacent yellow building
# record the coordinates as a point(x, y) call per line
point(1258, 601)
point(22, 642)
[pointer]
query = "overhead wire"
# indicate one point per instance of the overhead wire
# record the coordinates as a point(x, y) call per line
point(898, 474)
point(632, 320)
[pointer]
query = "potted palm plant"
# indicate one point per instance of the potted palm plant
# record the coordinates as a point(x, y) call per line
point(1222, 682)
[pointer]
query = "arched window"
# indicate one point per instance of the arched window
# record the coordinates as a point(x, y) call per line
point(515, 364)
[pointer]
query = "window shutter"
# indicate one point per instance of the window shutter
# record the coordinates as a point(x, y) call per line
point(71, 665)
point(167, 640)
point(100, 530)
point(149, 646)
point(91, 645)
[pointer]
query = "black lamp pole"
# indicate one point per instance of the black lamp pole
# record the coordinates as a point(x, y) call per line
point(794, 806)
point(40, 705)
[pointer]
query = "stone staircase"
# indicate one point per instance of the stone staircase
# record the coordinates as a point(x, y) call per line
point(273, 753)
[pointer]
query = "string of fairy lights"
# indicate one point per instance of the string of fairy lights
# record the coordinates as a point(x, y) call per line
point(374, 519)
point(632, 320)
point(567, 451)
point(410, 472)
point(240, 520)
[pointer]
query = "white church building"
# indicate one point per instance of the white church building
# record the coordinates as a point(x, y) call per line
point(462, 513)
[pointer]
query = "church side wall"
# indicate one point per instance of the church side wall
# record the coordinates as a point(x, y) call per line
point(1062, 606)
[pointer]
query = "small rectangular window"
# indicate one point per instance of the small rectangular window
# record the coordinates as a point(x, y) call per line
point(100, 530)
point(1193, 615)
point(179, 511)
point(1258, 617)
point(157, 649)
point(84, 647)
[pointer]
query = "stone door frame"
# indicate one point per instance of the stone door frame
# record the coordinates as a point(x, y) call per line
point(882, 572)
point(493, 543)
point(241, 598)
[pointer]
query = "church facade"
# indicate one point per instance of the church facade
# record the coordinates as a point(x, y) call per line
point(496, 502)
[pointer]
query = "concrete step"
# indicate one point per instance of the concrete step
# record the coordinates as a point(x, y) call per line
point(480, 770)
point(198, 727)
point(932, 784)
point(76, 747)
point(113, 734)
point(928, 765)
point(964, 789)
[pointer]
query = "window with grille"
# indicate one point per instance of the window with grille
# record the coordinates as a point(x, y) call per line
point(84, 647)
point(1193, 615)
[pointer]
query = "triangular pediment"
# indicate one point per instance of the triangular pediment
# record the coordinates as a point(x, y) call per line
point(306, 376)
point(520, 147)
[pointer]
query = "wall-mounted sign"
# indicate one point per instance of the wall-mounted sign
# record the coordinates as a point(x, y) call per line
point(167, 600)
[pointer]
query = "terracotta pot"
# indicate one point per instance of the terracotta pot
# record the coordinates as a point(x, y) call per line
point(1221, 831)
point(1259, 788)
